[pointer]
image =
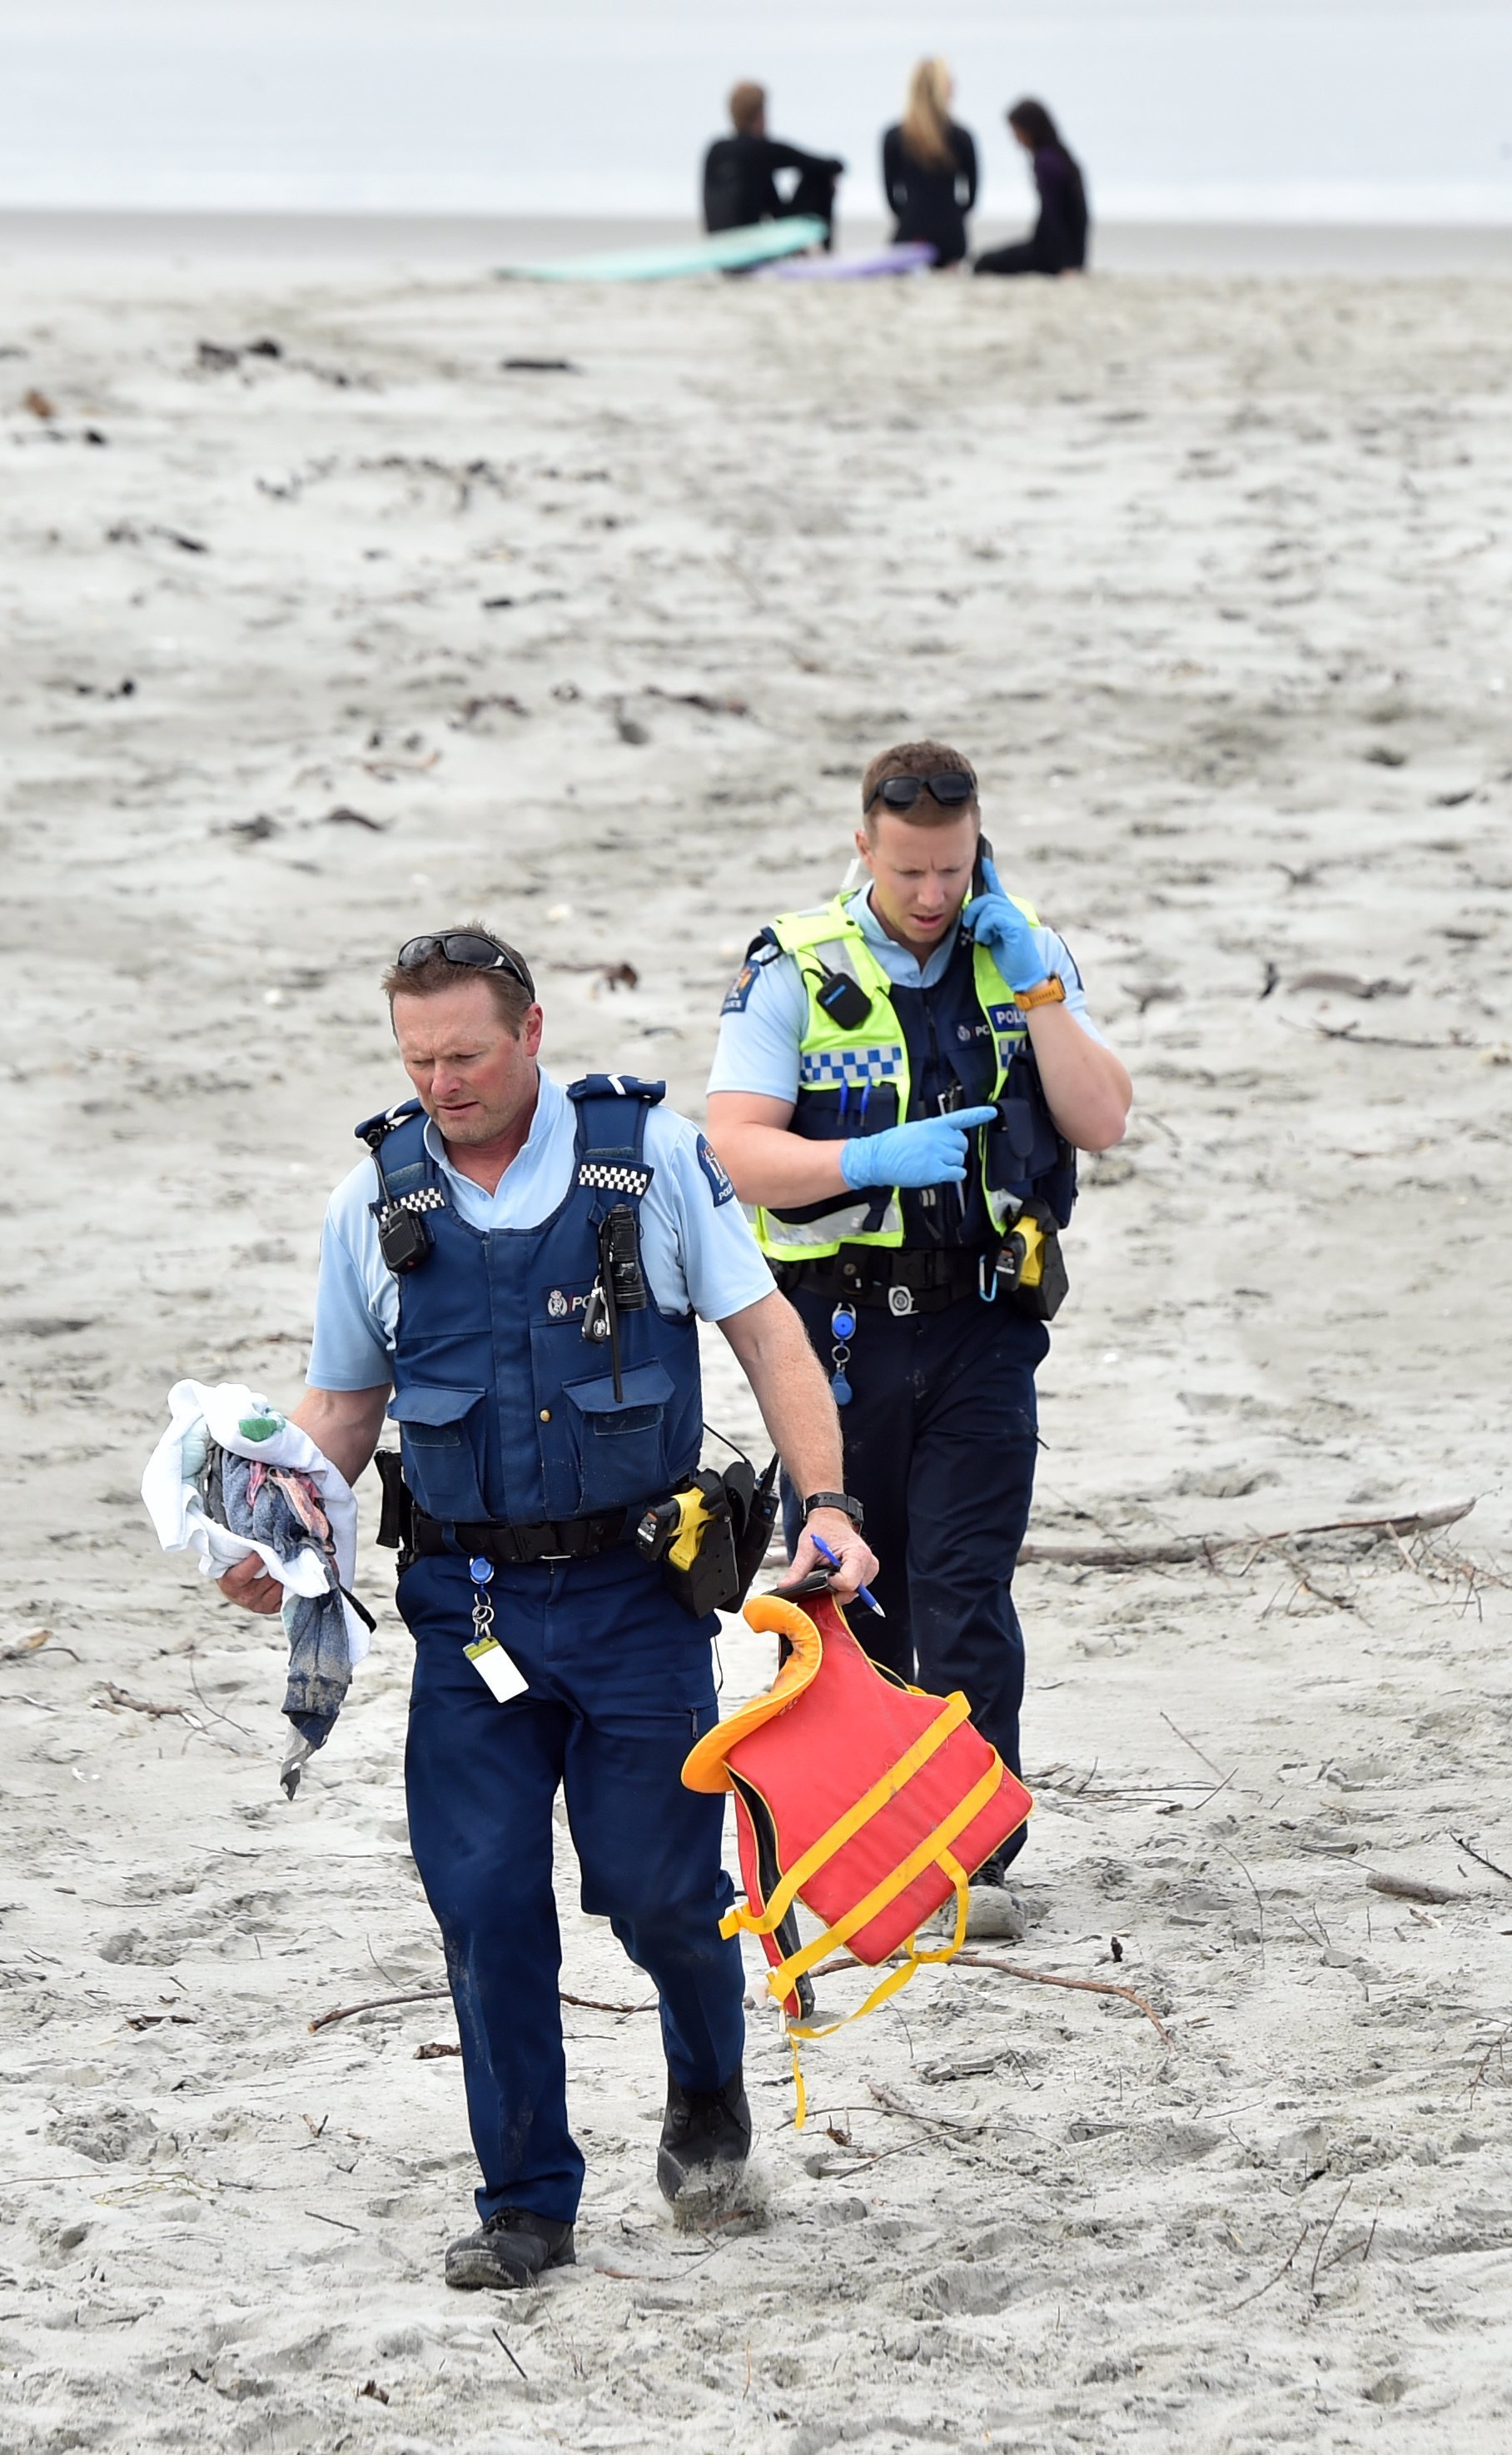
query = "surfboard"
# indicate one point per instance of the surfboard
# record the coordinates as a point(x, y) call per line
point(726, 252)
point(910, 255)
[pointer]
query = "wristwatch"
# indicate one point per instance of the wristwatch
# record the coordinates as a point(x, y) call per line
point(1050, 992)
point(841, 1500)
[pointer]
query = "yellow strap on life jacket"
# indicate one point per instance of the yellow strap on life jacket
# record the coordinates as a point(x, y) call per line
point(780, 1900)
point(892, 1985)
point(781, 1980)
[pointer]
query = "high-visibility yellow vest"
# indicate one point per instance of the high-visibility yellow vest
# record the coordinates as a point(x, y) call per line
point(871, 1056)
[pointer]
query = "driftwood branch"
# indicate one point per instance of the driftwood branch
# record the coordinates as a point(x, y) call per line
point(1011, 1969)
point(119, 1701)
point(1078, 1985)
point(1413, 1888)
point(26, 1646)
point(438, 1994)
point(378, 2003)
point(1182, 1549)
point(1480, 1858)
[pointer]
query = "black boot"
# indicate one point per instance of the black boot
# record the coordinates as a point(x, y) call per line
point(705, 2139)
point(511, 2249)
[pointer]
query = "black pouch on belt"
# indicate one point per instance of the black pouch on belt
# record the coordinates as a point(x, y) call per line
point(1031, 1264)
point(712, 1537)
point(396, 1517)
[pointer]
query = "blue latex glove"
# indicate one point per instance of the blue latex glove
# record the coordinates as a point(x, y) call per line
point(931, 1152)
point(996, 923)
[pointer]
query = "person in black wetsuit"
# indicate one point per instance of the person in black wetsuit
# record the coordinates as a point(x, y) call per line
point(1058, 243)
point(740, 174)
point(929, 167)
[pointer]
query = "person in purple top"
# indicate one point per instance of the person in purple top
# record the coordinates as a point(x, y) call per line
point(1059, 241)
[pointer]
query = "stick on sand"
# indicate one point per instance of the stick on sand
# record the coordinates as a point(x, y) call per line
point(1183, 1548)
point(436, 1994)
point(1031, 1977)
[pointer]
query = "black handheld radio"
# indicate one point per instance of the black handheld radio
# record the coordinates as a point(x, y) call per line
point(619, 1288)
point(843, 1000)
point(404, 1239)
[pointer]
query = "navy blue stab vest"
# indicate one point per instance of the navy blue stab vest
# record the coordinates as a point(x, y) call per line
point(949, 1044)
point(506, 1412)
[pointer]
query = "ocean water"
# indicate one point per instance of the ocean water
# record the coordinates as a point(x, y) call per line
point(1181, 109)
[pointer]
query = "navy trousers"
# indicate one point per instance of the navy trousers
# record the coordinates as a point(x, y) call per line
point(621, 1684)
point(940, 1436)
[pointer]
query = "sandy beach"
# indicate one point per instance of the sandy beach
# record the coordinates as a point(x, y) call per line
point(323, 624)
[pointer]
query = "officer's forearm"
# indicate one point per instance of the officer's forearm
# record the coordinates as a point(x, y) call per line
point(345, 1424)
point(1087, 1088)
point(772, 1347)
point(768, 1163)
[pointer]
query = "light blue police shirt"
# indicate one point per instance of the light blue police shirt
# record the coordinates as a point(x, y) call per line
point(697, 1248)
point(764, 1018)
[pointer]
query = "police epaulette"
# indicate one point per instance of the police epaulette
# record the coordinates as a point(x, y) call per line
point(617, 1087)
point(385, 1121)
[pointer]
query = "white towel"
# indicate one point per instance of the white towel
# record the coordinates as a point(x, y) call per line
point(197, 1414)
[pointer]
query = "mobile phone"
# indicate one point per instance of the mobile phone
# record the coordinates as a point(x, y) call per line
point(978, 876)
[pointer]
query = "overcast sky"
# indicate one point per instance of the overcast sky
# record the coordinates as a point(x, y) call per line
point(1341, 108)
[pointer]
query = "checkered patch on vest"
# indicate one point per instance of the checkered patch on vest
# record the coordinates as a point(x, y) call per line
point(427, 1199)
point(819, 1068)
point(608, 1176)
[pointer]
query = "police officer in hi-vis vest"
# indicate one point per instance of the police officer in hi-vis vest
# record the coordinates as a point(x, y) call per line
point(903, 1081)
point(524, 1267)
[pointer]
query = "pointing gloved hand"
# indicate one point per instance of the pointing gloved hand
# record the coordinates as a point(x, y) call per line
point(930, 1151)
point(997, 923)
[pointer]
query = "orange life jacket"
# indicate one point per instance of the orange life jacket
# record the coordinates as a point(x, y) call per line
point(869, 1801)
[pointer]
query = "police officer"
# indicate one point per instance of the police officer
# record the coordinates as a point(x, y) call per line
point(524, 1267)
point(901, 1082)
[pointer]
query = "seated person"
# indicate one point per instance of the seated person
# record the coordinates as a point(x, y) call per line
point(929, 167)
point(1058, 243)
point(740, 174)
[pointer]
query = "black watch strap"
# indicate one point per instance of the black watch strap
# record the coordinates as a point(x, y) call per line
point(841, 1500)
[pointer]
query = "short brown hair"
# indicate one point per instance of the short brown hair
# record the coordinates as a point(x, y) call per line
point(920, 759)
point(428, 979)
point(747, 103)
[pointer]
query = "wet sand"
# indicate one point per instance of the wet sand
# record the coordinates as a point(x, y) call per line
point(427, 241)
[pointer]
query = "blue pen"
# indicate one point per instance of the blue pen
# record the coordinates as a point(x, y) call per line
point(864, 1594)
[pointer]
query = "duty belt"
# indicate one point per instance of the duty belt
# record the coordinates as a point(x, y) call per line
point(563, 1538)
point(898, 1281)
point(406, 1529)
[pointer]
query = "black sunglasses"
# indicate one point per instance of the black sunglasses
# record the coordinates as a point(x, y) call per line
point(465, 946)
point(950, 790)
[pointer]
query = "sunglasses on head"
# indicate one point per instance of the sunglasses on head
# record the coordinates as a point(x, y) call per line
point(469, 948)
point(950, 788)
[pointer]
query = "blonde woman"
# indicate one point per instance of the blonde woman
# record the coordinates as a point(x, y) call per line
point(929, 167)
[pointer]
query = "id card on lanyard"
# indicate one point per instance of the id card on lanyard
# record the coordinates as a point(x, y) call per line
point(496, 1669)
